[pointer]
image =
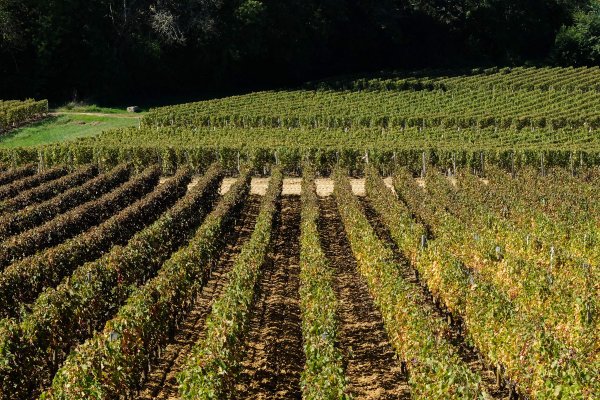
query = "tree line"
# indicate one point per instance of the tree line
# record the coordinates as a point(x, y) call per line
point(112, 50)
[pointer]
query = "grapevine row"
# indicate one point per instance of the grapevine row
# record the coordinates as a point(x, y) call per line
point(32, 351)
point(456, 108)
point(569, 79)
point(552, 286)
point(48, 190)
point(24, 184)
point(323, 376)
point(506, 336)
point(12, 175)
point(13, 224)
point(21, 282)
point(324, 149)
point(211, 368)
point(435, 370)
point(14, 113)
point(77, 220)
point(119, 355)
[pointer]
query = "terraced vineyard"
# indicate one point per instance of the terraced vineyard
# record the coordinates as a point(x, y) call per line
point(288, 245)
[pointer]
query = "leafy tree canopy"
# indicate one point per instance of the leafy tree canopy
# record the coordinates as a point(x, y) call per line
point(116, 49)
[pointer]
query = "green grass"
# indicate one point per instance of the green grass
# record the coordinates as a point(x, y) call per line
point(89, 108)
point(61, 128)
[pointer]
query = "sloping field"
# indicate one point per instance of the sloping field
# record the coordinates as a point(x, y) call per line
point(405, 237)
point(508, 117)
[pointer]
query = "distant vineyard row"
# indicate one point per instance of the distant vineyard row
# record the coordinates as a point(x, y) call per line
point(509, 117)
point(519, 78)
point(14, 112)
point(518, 99)
point(354, 149)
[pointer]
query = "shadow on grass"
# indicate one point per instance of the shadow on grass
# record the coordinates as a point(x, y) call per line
point(42, 122)
point(61, 128)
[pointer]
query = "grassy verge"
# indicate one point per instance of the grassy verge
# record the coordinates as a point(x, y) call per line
point(79, 107)
point(64, 127)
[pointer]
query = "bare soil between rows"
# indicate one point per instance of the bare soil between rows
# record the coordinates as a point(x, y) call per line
point(162, 383)
point(293, 186)
point(274, 358)
point(372, 369)
point(273, 355)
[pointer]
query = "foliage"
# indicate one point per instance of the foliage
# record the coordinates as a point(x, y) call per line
point(14, 113)
point(48, 190)
point(113, 362)
point(515, 310)
point(82, 303)
point(12, 175)
point(579, 43)
point(516, 98)
point(435, 369)
point(22, 282)
point(76, 49)
point(10, 191)
point(323, 376)
point(76, 220)
point(510, 117)
point(210, 370)
point(15, 223)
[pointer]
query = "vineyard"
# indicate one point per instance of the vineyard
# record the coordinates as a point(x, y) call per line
point(542, 117)
point(416, 236)
point(14, 113)
point(117, 284)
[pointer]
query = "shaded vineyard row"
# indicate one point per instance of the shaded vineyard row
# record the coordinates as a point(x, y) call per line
point(14, 112)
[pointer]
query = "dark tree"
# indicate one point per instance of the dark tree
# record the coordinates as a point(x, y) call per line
point(118, 49)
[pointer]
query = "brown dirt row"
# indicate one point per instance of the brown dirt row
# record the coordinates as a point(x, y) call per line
point(161, 383)
point(372, 369)
point(455, 332)
point(274, 357)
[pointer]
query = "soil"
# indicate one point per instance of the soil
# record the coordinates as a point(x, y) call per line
point(372, 369)
point(274, 358)
point(258, 186)
point(161, 383)
point(293, 186)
